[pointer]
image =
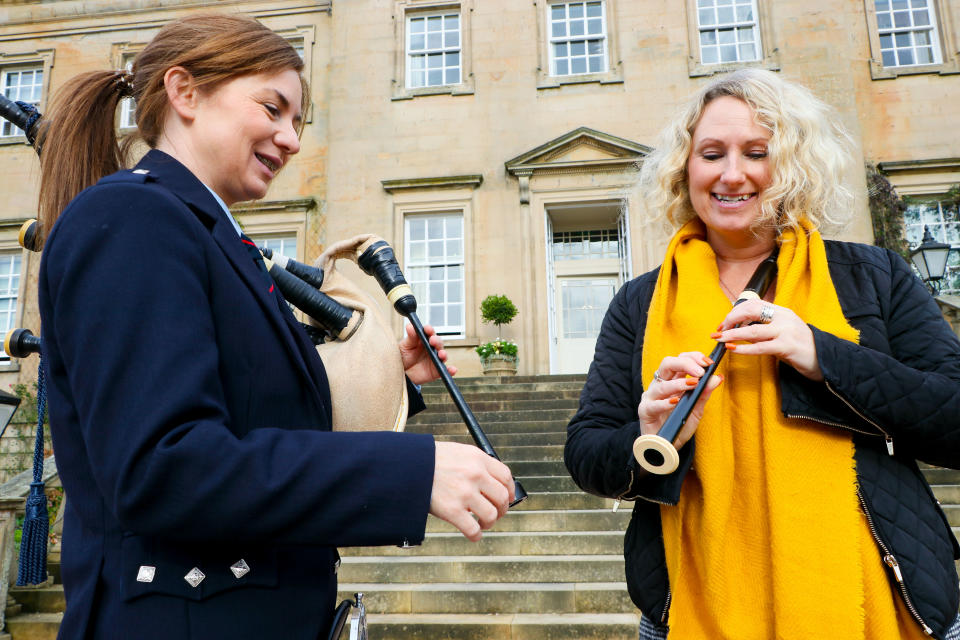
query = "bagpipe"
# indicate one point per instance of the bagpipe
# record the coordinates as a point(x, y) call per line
point(346, 325)
point(656, 453)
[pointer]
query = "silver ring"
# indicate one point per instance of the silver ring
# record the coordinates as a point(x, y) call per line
point(656, 376)
point(766, 314)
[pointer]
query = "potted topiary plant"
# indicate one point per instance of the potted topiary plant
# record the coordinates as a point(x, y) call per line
point(499, 357)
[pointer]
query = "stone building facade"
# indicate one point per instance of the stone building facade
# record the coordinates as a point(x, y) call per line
point(494, 143)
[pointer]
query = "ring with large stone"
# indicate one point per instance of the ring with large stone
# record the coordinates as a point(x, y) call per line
point(656, 376)
point(766, 314)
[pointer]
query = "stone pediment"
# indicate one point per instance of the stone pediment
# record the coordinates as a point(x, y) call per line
point(580, 150)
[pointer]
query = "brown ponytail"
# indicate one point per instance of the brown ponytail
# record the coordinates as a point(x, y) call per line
point(79, 135)
point(79, 141)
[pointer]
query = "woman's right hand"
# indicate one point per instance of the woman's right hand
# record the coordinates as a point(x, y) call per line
point(471, 490)
point(677, 374)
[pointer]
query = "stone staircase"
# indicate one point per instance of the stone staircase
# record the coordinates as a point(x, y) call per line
point(551, 569)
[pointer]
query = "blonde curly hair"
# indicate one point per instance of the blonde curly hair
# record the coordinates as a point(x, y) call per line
point(809, 153)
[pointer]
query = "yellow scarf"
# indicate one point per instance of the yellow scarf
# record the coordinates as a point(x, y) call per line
point(766, 539)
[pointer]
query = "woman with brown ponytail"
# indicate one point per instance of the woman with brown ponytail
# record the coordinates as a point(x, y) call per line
point(189, 411)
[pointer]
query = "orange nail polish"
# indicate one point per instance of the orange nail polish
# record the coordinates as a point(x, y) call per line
point(709, 361)
point(674, 400)
point(730, 347)
point(691, 382)
point(715, 336)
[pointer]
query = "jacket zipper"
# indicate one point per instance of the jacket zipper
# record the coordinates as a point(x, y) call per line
point(891, 561)
point(666, 606)
point(886, 436)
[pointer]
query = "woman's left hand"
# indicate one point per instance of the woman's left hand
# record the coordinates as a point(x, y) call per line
point(777, 331)
point(416, 361)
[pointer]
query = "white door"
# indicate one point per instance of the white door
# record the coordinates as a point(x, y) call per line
point(582, 303)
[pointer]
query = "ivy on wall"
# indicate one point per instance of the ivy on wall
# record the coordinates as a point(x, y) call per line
point(886, 213)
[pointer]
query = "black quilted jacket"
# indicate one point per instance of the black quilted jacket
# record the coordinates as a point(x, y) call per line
point(898, 391)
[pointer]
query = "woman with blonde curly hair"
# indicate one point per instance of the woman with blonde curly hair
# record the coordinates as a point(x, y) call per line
point(801, 511)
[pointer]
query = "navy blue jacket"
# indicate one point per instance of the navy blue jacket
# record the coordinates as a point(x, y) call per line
point(191, 420)
point(899, 386)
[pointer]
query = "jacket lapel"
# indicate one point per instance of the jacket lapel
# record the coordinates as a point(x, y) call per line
point(183, 184)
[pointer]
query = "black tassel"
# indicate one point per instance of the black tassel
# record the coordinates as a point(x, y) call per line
point(32, 568)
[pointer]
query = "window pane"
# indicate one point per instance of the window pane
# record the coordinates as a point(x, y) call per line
point(576, 28)
point(726, 36)
point(576, 10)
point(417, 41)
point(924, 56)
point(728, 53)
point(452, 21)
point(707, 18)
point(452, 59)
point(562, 68)
point(708, 37)
point(594, 9)
point(595, 47)
point(903, 40)
point(578, 48)
point(417, 25)
point(578, 65)
point(745, 14)
point(595, 27)
point(901, 19)
point(724, 15)
point(921, 18)
point(451, 39)
point(921, 38)
point(560, 50)
point(595, 64)
point(558, 12)
point(747, 52)
point(710, 55)
point(434, 40)
point(905, 56)
point(559, 29)
point(453, 76)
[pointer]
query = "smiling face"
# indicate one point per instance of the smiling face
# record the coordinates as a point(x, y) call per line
point(243, 133)
point(728, 169)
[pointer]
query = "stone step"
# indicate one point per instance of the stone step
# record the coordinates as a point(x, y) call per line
point(570, 520)
point(499, 440)
point(536, 484)
point(946, 493)
point(550, 416)
point(513, 383)
point(455, 426)
point(501, 598)
point(936, 475)
point(519, 626)
point(562, 500)
point(439, 396)
point(34, 626)
point(533, 568)
point(495, 403)
point(531, 453)
point(48, 599)
point(953, 514)
point(522, 468)
point(505, 543)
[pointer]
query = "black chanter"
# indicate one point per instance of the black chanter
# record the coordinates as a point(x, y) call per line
point(377, 259)
point(655, 452)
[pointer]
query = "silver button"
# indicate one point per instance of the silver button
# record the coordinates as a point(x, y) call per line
point(240, 568)
point(142, 172)
point(146, 573)
point(195, 577)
